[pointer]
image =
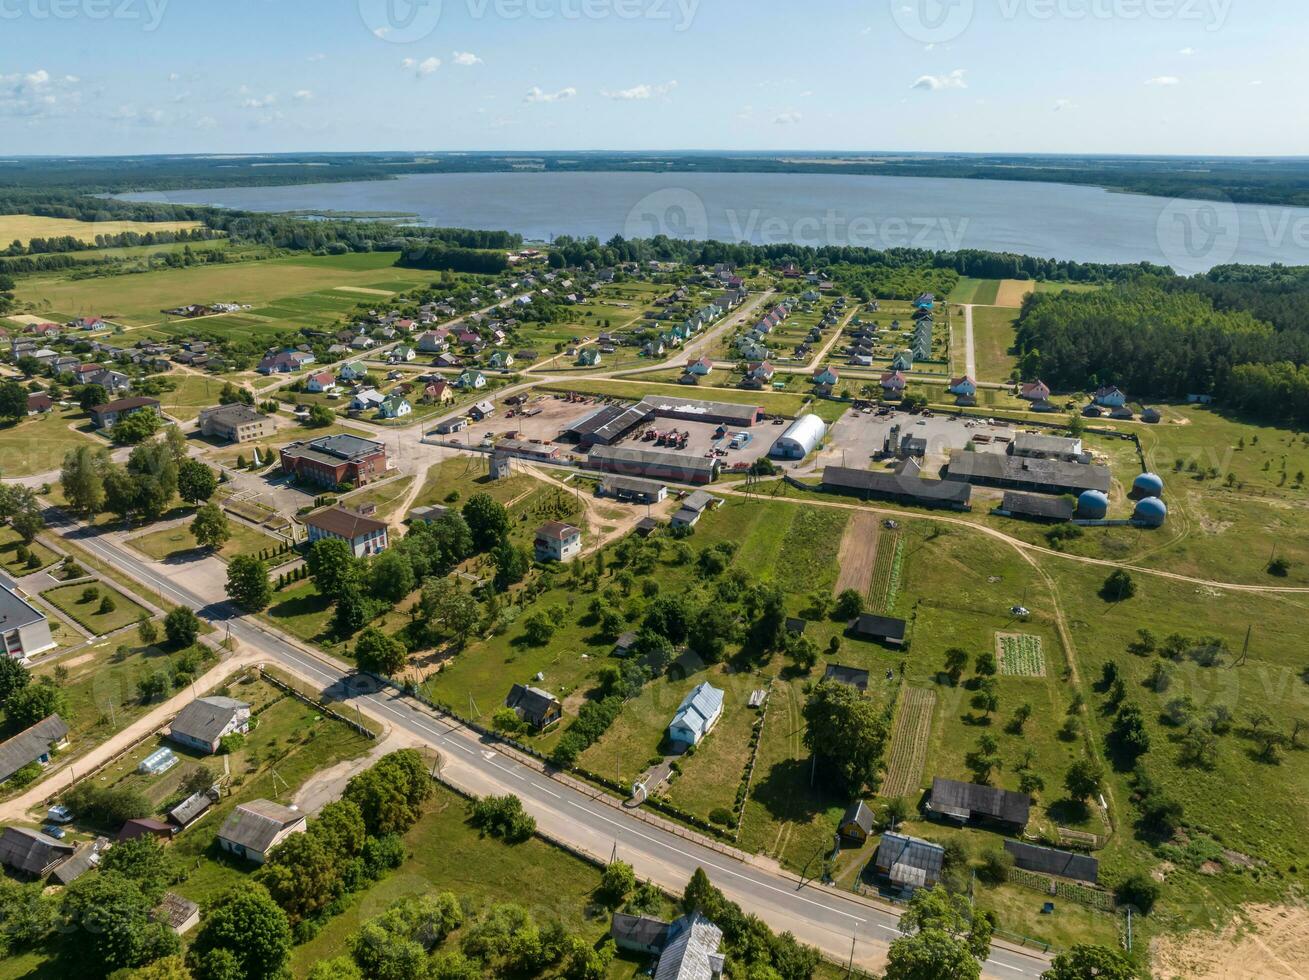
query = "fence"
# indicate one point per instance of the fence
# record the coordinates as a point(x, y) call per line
point(315, 704)
point(1092, 898)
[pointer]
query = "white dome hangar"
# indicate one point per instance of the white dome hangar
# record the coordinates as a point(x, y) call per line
point(800, 438)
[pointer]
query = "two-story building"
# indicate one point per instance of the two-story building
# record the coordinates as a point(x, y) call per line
point(365, 535)
point(557, 541)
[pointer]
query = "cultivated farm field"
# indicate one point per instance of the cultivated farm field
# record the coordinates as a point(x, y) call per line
point(25, 227)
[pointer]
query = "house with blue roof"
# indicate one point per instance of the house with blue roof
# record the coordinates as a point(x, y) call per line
point(696, 716)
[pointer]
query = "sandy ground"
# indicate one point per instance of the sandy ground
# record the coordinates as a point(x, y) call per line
point(1265, 942)
point(323, 787)
point(858, 555)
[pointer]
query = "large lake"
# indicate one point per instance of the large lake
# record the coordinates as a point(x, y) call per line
point(1051, 220)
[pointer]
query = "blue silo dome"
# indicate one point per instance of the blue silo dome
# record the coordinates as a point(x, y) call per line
point(1092, 505)
point(1148, 485)
point(1152, 511)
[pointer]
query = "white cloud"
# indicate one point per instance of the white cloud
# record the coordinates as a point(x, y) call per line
point(304, 95)
point(1256, 83)
point(747, 112)
point(316, 56)
point(381, 32)
point(1061, 104)
point(255, 102)
point(37, 93)
point(420, 68)
point(1187, 52)
point(174, 77)
point(537, 95)
point(1164, 80)
point(466, 59)
point(640, 92)
point(789, 118)
point(936, 83)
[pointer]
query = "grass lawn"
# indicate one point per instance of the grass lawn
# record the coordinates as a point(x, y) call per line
point(176, 543)
point(10, 542)
point(192, 393)
point(38, 444)
point(68, 600)
point(446, 854)
point(386, 497)
point(452, 481)
point(993, 336)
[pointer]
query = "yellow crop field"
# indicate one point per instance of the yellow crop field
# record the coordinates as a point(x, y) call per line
point(25, 227)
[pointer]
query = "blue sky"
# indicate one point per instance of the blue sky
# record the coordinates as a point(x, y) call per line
point(240, 76)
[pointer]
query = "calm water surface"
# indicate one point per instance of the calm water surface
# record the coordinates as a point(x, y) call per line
point(1050, 220)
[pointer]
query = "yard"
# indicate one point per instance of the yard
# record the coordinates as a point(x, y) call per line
point(993, 337)
point(15, 567)
point(77, 603)
point(178, 543)
point(39, 443)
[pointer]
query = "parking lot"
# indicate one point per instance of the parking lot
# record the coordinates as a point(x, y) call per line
point(543, 418)
point(735, 446)
point(858, 437)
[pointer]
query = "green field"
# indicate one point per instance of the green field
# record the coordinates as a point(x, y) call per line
point(285, 293)
point(981, 291)
point(10, 542)
point(993, 336)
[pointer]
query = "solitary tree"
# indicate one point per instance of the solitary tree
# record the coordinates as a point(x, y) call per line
point(211, 528)
point(248, 585)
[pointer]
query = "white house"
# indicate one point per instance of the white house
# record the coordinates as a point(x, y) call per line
point(364, 535)
point(556, 541)
point(696, 716)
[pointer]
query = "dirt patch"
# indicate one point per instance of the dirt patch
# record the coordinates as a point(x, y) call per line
point(858, 554)
point(363, 290)
point(1265, 941)
point(1012, 292)
point(79, 660)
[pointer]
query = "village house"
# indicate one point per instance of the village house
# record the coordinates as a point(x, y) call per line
point(203, 723)
point(284, 362)
point(323, 382)
point(557, 541)
point(255, 828)
point(34, 745)
point(394, 407)
point(533, 706)
point(439, 393)
point(827, 376)
point(696, 716)
point(1035, 391)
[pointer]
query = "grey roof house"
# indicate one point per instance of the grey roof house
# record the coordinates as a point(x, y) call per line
point(32, 745)
point(970, 801)
point(908, 862)
point(255, 828)
point(31, 853)
point(23, 628)
point(536, 707)
point(692, 951)
point(203, 723)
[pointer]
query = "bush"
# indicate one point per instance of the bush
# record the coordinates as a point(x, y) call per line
point(90, 594)
point(996, 866)
point(721, 815)
point(107, 605)
point(849, 604)
point(1140, 891)
point(503, 817)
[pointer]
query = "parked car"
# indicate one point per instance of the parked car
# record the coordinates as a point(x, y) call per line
point(54, 830)
point(59, 814)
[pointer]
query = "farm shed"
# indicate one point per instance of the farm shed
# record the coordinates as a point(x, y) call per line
point(631, 488)
point(31, 853)
point(968, 801)
point(255, 828)
point(869, 485)
point(1037, 506)
point(639, 933)
point(883, 629)
point(692, 410)
point(850, 676)
point(1020, 473)
point(655, 464)
point(1050, 861)
point(607, 424)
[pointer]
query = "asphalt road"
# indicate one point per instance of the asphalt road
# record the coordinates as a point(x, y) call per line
point(827, 919)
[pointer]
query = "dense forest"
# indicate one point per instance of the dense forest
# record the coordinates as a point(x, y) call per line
point(1242, 179)
point(1167, 338)
point(453, 259)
